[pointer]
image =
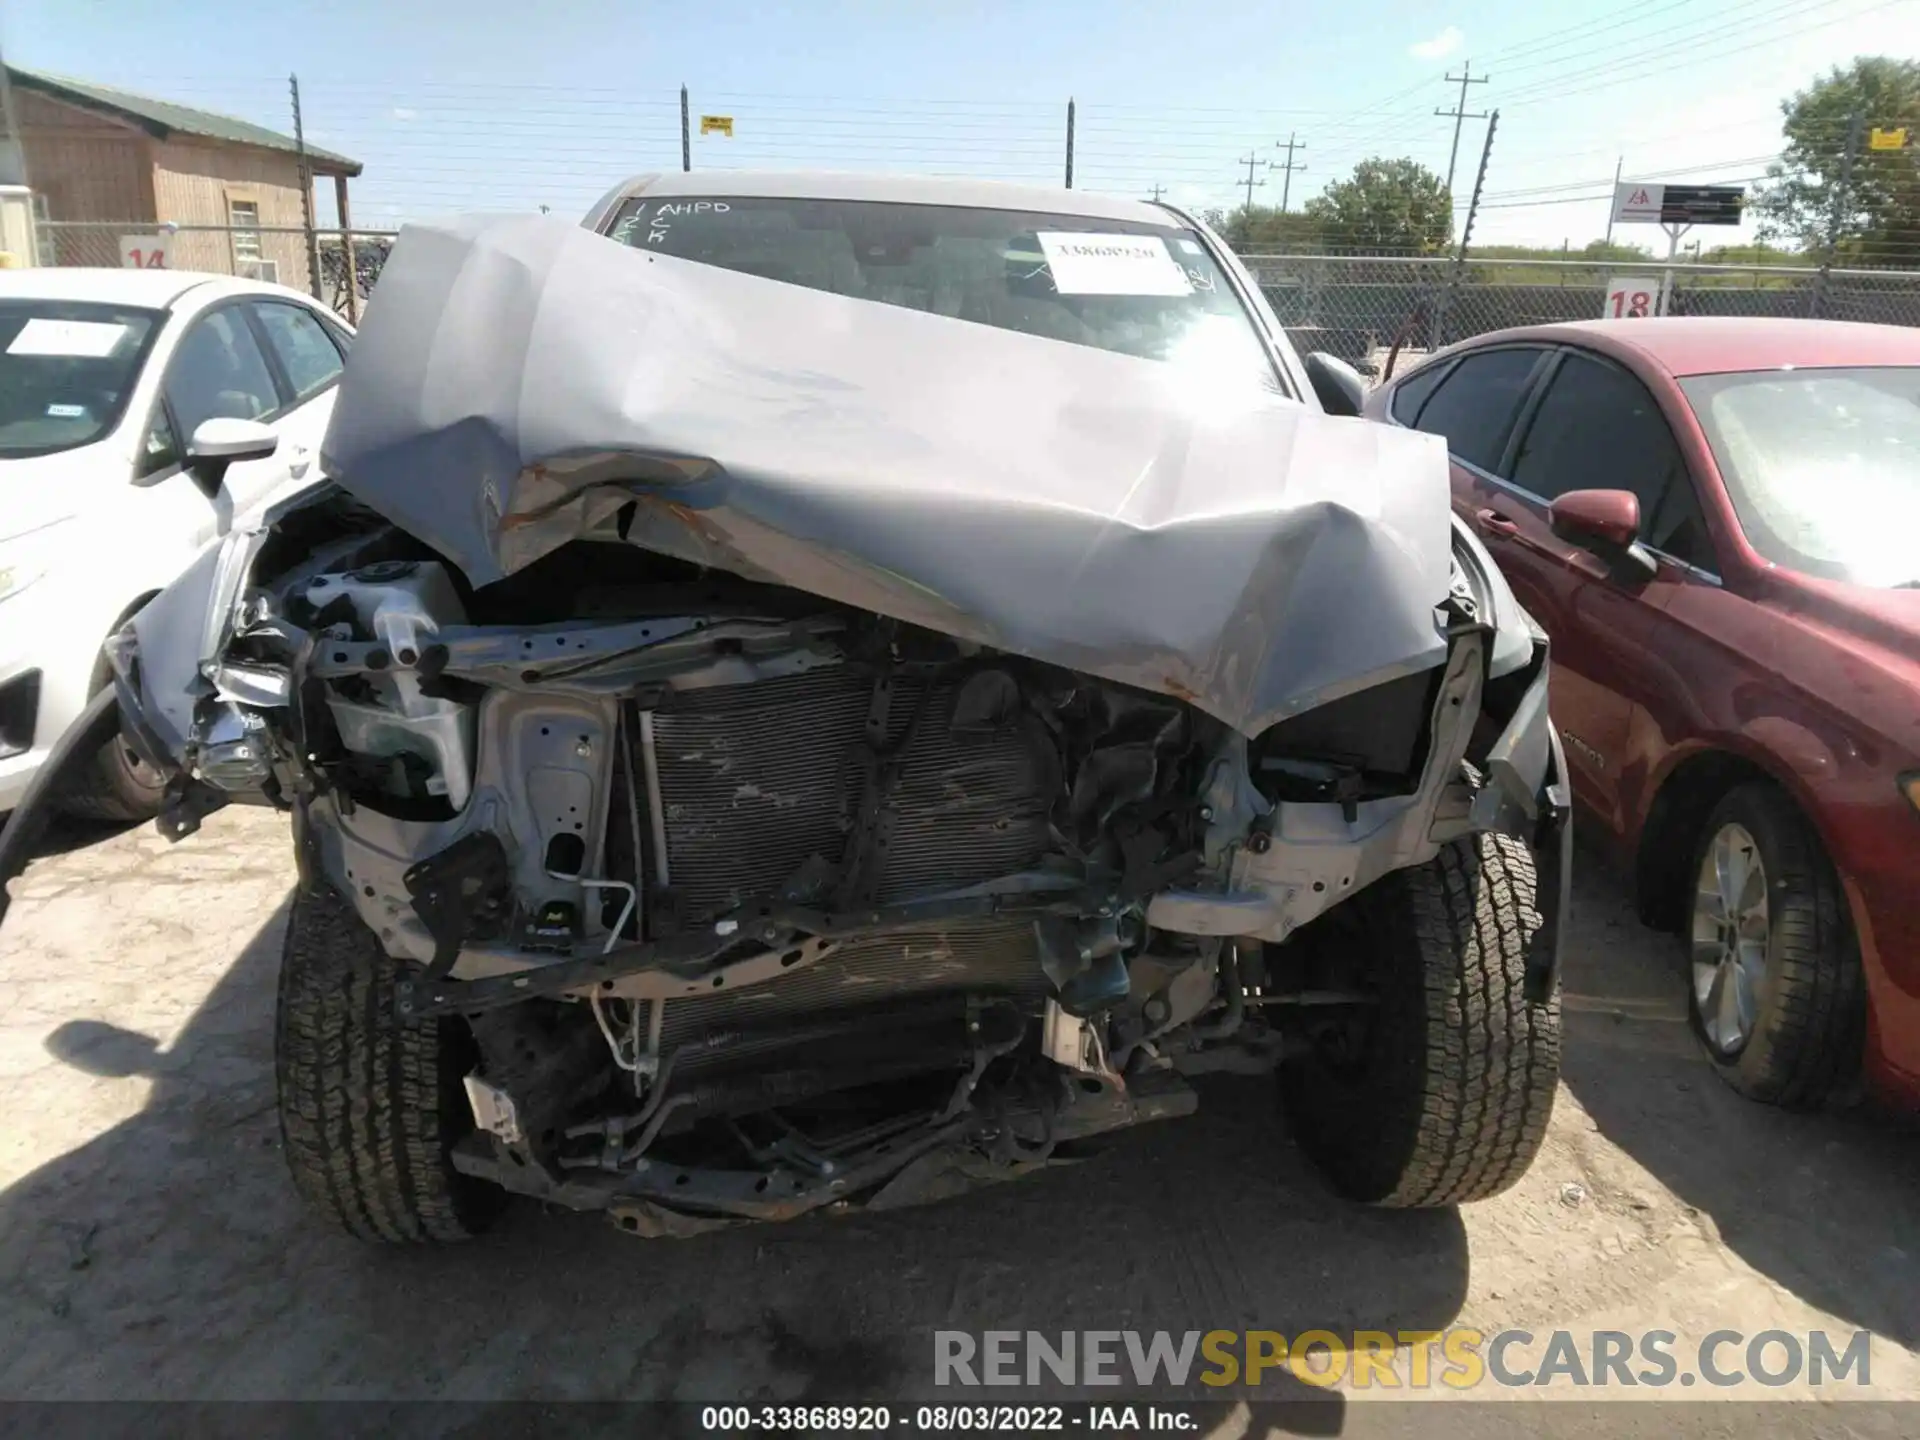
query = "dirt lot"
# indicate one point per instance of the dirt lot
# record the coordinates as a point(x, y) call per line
point(150, 1245)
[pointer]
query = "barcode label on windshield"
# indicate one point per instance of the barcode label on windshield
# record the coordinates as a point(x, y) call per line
point(1094, 264)
point(79, 339)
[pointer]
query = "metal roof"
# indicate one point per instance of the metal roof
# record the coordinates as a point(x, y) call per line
point(163, 119)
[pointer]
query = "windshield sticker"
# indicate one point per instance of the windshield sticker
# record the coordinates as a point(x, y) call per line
point(1188, 247)
point(1094, 264)
point(76, 339)
point(66, 412)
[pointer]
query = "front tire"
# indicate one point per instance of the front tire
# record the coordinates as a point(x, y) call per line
point(1439, 1091)
point(370, 1105)
point(1776, 994)
point(116, 786)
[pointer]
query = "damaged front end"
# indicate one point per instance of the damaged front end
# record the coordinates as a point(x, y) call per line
point(755, 903)
point(866, 756)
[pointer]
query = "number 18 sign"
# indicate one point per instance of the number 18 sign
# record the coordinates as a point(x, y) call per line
point(1632, 297)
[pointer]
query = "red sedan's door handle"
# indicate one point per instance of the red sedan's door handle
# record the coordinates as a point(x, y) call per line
point(1494, 523)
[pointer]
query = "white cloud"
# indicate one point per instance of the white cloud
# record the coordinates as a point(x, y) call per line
point(401, 112)
point(1439, 46)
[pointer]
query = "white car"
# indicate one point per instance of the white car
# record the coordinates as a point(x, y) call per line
point(141, 414)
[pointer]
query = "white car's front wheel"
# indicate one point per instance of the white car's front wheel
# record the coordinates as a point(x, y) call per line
point(116, 785)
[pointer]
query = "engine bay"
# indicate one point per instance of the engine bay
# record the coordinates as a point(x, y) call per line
point(754, 903)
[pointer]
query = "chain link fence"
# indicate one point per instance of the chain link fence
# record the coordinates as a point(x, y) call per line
point(278, 254)
point(1355, 307)
point(1359, 308)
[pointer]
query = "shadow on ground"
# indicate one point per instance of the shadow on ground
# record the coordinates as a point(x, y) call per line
point(1825, 1205)
point(64, 834)
point(168, 1256)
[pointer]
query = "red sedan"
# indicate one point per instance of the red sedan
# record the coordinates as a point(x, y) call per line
point(1717, 522)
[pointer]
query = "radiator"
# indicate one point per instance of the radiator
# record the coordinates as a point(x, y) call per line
point(756, 779)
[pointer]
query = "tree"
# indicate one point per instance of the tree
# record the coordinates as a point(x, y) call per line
point(1879, 211)
point(1264, 230)
point(1387, 207)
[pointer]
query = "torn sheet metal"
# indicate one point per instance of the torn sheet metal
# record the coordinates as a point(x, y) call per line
point(519, 382)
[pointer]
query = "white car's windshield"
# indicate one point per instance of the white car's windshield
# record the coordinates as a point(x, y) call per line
point(67, 369)
point(1131, 287)
point(1823, 466)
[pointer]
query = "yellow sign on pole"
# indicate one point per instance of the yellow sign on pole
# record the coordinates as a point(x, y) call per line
point(1887, 139)
point(724, 125)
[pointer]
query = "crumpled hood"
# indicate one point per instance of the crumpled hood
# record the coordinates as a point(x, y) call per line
point(521, 382)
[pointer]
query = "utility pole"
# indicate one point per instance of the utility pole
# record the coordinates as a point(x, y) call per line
point(1158, 191)
point(1286, 185)
point(1613, 198)
point(1069, 142)
point(1466, 236)
point(306, 191)
point(1251, 161)
point(1459, 114)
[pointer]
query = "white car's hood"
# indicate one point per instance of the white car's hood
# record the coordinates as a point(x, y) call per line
point(43, 490)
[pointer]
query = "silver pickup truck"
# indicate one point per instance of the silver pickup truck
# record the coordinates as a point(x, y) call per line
point(818, 692)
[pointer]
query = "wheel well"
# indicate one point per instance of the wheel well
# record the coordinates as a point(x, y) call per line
point(1662, 866)
point(102, 667)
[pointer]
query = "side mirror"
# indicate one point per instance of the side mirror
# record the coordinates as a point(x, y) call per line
point(1338, 384)
point(226, 439)
point(219, 442)
point(1607, 522)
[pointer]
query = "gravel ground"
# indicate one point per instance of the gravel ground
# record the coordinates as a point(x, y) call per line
point(151, 1246)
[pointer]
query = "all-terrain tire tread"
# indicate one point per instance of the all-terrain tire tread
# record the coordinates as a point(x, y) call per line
point(1493, 1057)
point(368, 1102)
point(1451, 1099)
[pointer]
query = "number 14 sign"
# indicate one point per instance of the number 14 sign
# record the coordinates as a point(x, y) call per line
point(144, 252)
point(1632, 297)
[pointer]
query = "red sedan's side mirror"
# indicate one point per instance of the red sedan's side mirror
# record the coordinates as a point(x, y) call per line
point(1606, 522)
point(1610, 517)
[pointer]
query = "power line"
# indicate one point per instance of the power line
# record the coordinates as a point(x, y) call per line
point(1549, 90)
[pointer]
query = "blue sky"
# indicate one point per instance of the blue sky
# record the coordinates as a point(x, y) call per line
point(488, 105)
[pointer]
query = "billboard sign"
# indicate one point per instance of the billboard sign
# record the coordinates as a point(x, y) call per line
point(1640, 202)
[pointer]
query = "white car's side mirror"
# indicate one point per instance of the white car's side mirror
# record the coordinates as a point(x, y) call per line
point(224, 438)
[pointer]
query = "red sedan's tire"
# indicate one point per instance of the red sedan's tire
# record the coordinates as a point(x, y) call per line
point(1776, 994)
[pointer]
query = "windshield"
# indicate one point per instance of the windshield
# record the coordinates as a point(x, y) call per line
point(67, 369)
point(1126, 286)
point(1823, 467)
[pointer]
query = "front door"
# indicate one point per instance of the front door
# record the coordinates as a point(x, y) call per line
point(309, 364)
point(219, 369)
point(1594, 427)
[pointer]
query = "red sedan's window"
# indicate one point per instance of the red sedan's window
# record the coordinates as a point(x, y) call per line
point(1475, 405)
point(1597, 428)
point(1411, 393)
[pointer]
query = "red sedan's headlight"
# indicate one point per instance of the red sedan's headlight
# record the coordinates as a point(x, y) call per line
point(1910, 787)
